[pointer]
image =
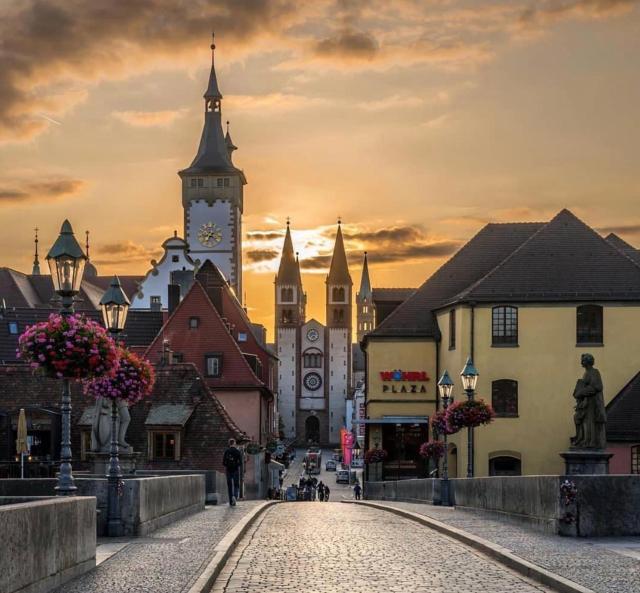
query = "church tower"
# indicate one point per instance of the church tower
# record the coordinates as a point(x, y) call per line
point(339, 289)
point(212, 193)
point(365, 314)
point(290, 305)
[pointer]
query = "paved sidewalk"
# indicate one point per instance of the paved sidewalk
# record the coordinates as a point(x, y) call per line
point(606, 565)
point(168, 560)
point(338, 548)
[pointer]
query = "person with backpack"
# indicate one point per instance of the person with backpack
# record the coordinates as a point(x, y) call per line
point(232, 462)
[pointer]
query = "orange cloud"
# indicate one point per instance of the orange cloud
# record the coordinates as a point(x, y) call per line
point(44, 190)
point(148, 119)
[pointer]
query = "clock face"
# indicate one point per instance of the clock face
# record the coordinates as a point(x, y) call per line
point(312, 381)
point(312, 334)
point(209, 234)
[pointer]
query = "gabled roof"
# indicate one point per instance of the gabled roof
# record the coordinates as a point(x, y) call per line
point(481, 254)
point(624, 247)
point(288, 271)
point(339, 269)
point(564, 260)
point(236, 369)
point(623, 413)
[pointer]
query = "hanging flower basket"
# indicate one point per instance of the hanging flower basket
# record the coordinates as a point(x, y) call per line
point(71, 347)
point(375, 456)
point(253, 448)
point(440, 425)
point(432, 450)
point(469, 414)
point(133, 380)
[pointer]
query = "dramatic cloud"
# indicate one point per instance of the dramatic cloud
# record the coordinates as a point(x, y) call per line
point(147, 119)
point(348, 44)
point(396, 234)
point(44, 190)
point(265, 235)
point(261, 255)
point(123, 252)
point(621, 229)
point(45, 42)
point(273, 102)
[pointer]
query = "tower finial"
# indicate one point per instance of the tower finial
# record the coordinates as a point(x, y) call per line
point(339, 220)
point(87, 244)
point(213, 41)
point(36, 261)
point(288, 221)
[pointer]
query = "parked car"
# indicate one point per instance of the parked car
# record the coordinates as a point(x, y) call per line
point(342, 476)
point(357, 463)
point(330, 466)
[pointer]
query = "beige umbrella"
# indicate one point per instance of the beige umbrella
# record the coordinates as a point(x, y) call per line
point(22, 447)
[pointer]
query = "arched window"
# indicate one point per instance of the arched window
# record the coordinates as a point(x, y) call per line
point(635, 459)
point(338, 294)
point(287, 316)
point(589, 324)
point(504, 325)
point(312, 358)
point(504, 397)
point(338, 316)
point(286, 295)
point(505, 465)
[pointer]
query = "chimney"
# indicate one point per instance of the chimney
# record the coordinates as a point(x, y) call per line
point(174, 297)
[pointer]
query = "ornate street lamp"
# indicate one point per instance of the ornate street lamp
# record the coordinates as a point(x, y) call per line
point(469, 376)
point(445, 387)
point(66, 261)
point(115, 307)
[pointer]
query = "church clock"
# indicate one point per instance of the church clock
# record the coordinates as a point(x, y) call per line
point(209, 234)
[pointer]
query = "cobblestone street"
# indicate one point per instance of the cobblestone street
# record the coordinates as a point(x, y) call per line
point(333, 547)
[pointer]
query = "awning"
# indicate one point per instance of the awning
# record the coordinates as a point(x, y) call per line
point(169, 415)
point(395, 420)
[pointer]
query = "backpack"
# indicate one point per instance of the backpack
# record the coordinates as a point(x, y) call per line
point(231, 459)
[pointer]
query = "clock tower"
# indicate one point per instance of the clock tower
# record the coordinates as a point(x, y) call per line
point(212, 194)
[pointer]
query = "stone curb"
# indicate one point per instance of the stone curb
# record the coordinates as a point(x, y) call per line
point(495, 551)
point(225, 547)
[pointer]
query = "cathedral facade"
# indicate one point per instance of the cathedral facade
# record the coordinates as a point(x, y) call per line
point(314, 367)
point(212, 198)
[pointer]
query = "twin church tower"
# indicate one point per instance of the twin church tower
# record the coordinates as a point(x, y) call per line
point(315, 360)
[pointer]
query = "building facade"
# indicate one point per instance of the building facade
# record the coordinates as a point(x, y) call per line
point(314, 366)
point(525, 300)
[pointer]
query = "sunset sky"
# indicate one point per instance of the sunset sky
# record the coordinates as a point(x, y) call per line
point(415, 121)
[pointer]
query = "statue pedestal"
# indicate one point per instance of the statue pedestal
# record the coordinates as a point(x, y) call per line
point(586, 462)
point(100, 461)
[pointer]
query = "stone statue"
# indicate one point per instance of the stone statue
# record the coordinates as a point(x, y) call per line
point(101, 428)
point(590, 416)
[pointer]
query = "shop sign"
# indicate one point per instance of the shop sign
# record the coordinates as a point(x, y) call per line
point(414, 378)
point(400, 375)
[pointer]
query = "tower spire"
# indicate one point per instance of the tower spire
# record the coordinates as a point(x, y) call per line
point(288, 273)
point(365, 282)
point(212, 95)
point(339, 269)
point(36, 262)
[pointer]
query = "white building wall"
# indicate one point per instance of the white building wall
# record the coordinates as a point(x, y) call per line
point(339, 375)
point(287, 380)
point(225, 216)
point(156, 282)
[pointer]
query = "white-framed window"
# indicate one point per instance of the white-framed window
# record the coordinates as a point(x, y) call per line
point(242, 337)
point(213, 365)
point(219, 181)
point(194, 322)
point(13, 327)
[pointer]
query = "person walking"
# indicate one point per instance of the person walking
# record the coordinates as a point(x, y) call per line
point(321, 492)
point(232, 462)
point(357, 490)
point(327, 491)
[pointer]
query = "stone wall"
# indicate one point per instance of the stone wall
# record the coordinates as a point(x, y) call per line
point(604, 505)
point(46, 543)
point(146, 503)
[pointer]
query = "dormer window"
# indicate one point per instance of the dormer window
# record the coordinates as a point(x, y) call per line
point(194, 322)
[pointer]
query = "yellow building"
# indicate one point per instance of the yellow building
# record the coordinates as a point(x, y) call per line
point(525, 301)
